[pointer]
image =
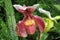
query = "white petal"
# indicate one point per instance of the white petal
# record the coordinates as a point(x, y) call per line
point(19, 7)
point(41, 10)
point(24, 34)
point(35, 6)
point(45, 12)
point(19, 21)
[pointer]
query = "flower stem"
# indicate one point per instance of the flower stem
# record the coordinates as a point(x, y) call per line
point(39, 35)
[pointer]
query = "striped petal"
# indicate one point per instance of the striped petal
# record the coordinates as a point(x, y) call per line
point(40, 23)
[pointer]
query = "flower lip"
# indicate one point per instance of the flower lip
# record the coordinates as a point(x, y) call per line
point(29, 22)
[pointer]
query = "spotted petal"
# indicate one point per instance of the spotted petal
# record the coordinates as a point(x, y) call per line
point(40, 23)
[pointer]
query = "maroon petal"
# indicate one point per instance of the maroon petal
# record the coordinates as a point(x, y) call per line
point(40, 23)
point(32, 8)
point(20, 29)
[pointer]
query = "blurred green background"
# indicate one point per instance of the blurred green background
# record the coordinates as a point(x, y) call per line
point(9, 16)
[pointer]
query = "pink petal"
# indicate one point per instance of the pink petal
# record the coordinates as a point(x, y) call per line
point(30, 25)
point(20, 8)
point(40, 23)
point(31, 29)
point(20, 29)
point(24, 5)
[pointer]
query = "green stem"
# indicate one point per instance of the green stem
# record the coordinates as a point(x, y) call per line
point(38, 37)
point(11, 23)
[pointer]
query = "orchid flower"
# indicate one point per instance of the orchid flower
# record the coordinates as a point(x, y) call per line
point(45, 12)
point(28, 24)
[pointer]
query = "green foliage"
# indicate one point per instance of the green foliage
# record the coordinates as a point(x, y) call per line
point(43, 36)
point(57, 6)
point(4, 35)
point(11, 23)
point(57, 27)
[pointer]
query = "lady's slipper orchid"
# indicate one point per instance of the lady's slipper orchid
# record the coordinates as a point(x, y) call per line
point(28, 24)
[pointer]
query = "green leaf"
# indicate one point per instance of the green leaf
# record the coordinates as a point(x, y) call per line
point(11, 22)
point(57, 27)
point(57, 6)
point(57, 17)
point(43, 36)
point(3, 30)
